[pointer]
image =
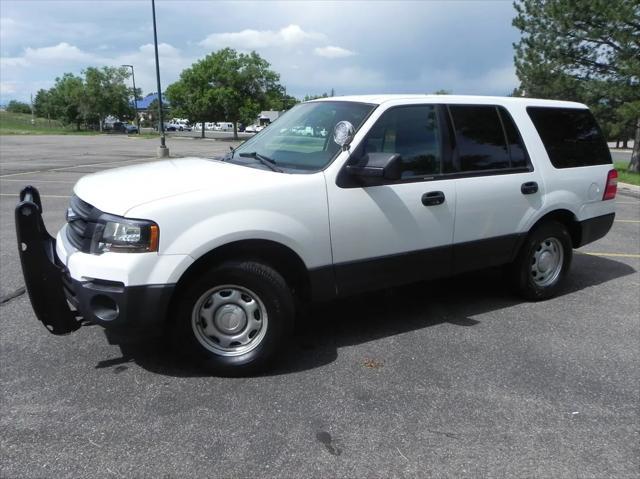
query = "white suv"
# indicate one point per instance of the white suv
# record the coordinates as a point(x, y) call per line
point(406, 188)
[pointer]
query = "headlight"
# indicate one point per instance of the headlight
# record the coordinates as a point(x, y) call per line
point(122, 235)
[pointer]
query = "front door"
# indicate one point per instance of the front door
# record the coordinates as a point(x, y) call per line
point(394, 232)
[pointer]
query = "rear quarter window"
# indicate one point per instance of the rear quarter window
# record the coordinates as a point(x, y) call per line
point(571, 136)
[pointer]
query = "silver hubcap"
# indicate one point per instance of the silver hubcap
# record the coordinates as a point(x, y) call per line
point(546, 263)
point(229, 320)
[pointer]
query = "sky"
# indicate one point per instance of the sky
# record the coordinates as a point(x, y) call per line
point(359, 47)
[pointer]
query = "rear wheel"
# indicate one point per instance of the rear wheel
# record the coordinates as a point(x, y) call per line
point(543, 261)
point(234, 319)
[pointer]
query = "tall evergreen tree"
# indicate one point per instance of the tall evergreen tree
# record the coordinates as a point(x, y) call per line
point(584, 50)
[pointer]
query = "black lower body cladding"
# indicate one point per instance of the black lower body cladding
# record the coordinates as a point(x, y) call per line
point(594, 228)
point(115, 305)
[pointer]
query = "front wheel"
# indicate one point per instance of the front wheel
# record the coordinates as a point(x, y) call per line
point(543, 261)
point(234, 319)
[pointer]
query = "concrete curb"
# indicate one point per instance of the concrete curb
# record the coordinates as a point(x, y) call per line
point(629, 190)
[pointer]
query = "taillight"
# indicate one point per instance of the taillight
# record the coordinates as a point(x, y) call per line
point(612, 186)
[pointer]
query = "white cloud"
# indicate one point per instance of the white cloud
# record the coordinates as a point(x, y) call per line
point(7, 88)
point(255, 39)
point(64, 57)
point(13, 62)
point(333, 52)
point(164, 49)
point(62, 52)
point(8, 27)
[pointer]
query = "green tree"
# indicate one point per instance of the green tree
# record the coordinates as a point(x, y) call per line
point(278, 100)
point(106, 94)
point(225, 84)
point(44, 105)
point(15, 106)
point(68, 96)
point(587, 51)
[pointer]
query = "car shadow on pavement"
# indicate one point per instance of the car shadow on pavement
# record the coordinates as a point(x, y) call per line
point(325, 328)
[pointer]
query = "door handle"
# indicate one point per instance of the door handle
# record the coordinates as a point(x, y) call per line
point(529, 188)
point(433, 198)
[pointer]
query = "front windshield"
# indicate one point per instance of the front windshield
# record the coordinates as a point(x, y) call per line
point(302, 138)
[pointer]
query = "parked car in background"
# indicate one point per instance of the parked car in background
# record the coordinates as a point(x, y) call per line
point(178, 125)
point(251, 129)
point(124, 127)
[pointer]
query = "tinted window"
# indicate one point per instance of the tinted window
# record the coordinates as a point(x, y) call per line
point(479, 137)
point(517, 151)
point(571, 136)
point(413, 133)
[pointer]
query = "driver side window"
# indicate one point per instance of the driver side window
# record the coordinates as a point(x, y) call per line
point(412, 132)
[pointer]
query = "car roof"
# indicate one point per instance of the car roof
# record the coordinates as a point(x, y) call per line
point(461, 99)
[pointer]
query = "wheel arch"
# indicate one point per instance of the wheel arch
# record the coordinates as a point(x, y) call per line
point(568, 219)
point(278, 256)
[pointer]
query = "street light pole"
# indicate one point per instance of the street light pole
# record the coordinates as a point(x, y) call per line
point(135, 96)
point(163, 151)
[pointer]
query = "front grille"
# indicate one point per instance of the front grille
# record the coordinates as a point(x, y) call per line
point(81, 221)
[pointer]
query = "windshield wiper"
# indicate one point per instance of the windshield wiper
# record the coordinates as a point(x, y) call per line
point(265, 160)
point(228, 156)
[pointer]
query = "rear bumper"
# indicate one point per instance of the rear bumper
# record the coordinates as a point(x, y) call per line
point(63, 303)
point(594, 228)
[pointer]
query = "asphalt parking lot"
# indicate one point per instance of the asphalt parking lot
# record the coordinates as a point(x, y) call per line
point(454, 378)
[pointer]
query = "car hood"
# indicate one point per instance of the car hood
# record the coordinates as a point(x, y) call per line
point(118, 190)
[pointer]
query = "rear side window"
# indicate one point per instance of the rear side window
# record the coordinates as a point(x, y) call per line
point(480, 137)
point(571, 136)
point(517, 151)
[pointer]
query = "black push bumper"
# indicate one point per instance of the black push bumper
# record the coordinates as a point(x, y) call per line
point(63, 304)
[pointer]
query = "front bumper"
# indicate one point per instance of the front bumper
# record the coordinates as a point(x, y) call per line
point(63, 303)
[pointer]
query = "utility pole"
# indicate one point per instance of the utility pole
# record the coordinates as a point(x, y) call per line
point(135, 96)
point(163, 151)
point(33, 115)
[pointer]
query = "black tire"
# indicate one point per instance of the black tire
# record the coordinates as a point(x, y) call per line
point(527, 277)
point(275, 312)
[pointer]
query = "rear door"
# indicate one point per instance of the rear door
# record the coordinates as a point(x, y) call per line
point(498, 190)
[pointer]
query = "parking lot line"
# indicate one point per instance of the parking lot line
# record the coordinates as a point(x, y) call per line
point(18, 174)
point(39, 181)
point(100, 164)
point(627, 221)
point(15, 195)
point(620, 255)
point(63, 168)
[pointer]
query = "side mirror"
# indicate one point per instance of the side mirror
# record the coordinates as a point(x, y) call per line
point(343, 133)
point(378, 165)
